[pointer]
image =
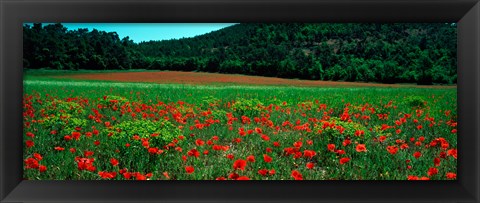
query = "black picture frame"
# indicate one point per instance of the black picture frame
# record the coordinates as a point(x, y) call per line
point(13, 13)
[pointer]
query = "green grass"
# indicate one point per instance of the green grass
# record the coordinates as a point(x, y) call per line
point(185, 105)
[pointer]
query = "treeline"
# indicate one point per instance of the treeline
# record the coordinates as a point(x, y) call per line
point(54, 47)
point(387, 53)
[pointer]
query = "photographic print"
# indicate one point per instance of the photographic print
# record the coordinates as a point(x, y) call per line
point(240, 101)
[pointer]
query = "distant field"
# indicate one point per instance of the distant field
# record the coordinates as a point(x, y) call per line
point(177, 77)
point(244, 128)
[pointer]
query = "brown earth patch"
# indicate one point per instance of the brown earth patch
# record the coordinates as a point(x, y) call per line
point(178, 77)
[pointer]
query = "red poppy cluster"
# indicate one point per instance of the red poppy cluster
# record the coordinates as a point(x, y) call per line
point(308, 140)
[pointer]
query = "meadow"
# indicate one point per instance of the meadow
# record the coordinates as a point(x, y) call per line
point(104, 130)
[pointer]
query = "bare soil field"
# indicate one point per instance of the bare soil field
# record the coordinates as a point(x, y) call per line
point(178, 77)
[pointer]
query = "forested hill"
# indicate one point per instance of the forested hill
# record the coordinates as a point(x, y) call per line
point(388, 53)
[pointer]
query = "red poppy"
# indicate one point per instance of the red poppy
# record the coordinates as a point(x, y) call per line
point(297, 175)
point(452, 152)
point(297, 144)
point(29, 143)
point(263, 172)
point(443, 155)
point(114, 162)
point(243, 178)
point(410, 177)
point(59, 148)
point(88, 153)
point(96, 142)
point(309, 153)
point(233, 176)
point(251, 158)
point(346, 142)
point(139, 176)
point(85, 164)
point(107, 175)
point(127, 175)
point(189, 169)
point(31, 163)
point(344, 160)
point(67, 137)
point(199, 142)
point(297, 155)
point(42, 168)
point(29, 134)
point(359, 133)
point(265, 137)
point(417, 155)
point(225, 148)
point(76, 135)
point(361, 148)
point(267, 158)
point(382, 138)
point(340, 152)
point(451, 175)
point(432, 171)
point(276, 144)
point(217, 147)
point(239, 164)
point(37, 156)
point(436, 161)
point(310, 165)
point(166, 175)
point(193, 152)
point(331, 147)
point(392, 149)
point(220, 178)
point(230, 156)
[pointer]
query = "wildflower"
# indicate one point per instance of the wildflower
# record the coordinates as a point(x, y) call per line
point(251, 158)
point(114, 162)
point(344, 160)
point(310, 165)
point(432, 171)
point(189, 169)
point(417, 155)
point(297, 175)
point(239, 164)
point(309, 153)
point(361, 148)
point(331, 147)
point(267, 158)
point(392, 149)
point(451, 175)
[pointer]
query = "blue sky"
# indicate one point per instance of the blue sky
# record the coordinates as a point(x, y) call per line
point(151, 31)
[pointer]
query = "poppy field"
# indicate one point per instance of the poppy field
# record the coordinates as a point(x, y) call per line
point(98, 130)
